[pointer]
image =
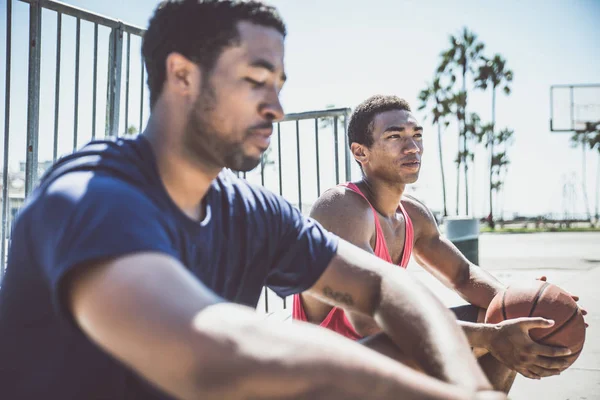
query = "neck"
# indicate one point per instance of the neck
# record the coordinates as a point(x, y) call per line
point(384, 196)
point(186, 182)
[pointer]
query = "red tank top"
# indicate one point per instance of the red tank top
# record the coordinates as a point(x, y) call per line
point(336, 320)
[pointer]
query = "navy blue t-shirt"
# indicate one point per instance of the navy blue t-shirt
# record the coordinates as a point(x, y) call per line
point(105, 201)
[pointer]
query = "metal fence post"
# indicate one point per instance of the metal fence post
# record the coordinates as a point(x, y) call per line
point(95, 81)
point(113, 92)
point(76, 104)
point(33, 95)
point(57, 85)
point(299, 168)
point(347, 150)
point(336, 150)
point(5, 182)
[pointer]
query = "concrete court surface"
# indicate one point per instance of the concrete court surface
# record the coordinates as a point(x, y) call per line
point(570, 260)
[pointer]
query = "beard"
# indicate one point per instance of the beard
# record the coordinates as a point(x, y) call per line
point(205, 144)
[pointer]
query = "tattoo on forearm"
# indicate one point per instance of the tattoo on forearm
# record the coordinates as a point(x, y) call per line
point(341, 297)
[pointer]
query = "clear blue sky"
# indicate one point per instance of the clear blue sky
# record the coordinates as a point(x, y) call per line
point(340, 52)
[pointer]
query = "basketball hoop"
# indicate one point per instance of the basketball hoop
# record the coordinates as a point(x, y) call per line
point(574, 108)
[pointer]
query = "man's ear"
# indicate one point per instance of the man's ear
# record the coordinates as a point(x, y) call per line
point(183, 76)
point(360, 153)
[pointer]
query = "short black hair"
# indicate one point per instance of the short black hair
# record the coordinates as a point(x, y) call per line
point(198, 30)
point(360, 127)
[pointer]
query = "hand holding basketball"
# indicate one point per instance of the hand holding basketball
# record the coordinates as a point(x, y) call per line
point(557, 324)
point(511, 344)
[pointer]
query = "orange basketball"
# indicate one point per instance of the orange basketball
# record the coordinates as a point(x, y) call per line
point(542, 299)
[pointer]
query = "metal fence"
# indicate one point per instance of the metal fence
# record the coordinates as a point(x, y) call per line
point(115, 33)
point(311, 155)
point(306, 156)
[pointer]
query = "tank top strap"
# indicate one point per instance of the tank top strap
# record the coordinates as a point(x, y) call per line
point(381, 249)
point(408, 237)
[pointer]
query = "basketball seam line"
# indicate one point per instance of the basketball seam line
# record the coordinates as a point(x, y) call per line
point(503, 307)
point(537, 297)
point(559, 328)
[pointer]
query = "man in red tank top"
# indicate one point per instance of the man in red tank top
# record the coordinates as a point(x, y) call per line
point(375, 215)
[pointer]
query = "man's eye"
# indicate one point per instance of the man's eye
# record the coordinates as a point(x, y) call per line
point(418, 135)
point(393, 136)
point(255, 83)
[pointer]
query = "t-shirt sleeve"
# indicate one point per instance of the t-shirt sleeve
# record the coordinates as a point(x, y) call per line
point(85, 218)
point(303, 252)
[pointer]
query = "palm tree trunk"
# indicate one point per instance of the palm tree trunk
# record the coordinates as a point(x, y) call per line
point(466, 174)
point(598, 192)
point(442, 167)
point(458, 162)
point(584, 178)
point(464, 133)
point(491, 142)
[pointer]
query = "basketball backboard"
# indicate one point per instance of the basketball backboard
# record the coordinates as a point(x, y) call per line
point(574, 108)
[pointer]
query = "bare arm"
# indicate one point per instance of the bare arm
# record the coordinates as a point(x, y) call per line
point(406, 311)
point(509, 341)
point(346, 214)
point(151, 314)
point(440, 257)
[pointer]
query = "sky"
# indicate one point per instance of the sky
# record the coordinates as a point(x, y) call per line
point(340, 53)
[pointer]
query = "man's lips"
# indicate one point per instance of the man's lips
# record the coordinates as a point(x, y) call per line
point(262, 136)
point(411, 163)
point(266, 131)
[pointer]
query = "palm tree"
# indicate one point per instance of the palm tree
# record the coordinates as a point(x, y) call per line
point(461, 58)
point(477, 131)
point(582, 137)
point(499, 162)
point(435, 96)
point(494, 74)
point(454, 103)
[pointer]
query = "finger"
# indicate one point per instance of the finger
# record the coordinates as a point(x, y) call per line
point(583, 311)
point(551, 362)
point(548, 351)
point(536, 322)
point(586, 324)
point(528, 374)
point(543, 372)
point(574, 297)
point(542, 278)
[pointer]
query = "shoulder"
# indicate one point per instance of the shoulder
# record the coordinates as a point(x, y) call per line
point(340, 208)
point(88, 193)
point(420, 215)
point(415, 208)
point(130, 160)
point(96, 213)
point(93, 185)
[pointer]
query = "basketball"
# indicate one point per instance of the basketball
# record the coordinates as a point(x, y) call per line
point(542, 299)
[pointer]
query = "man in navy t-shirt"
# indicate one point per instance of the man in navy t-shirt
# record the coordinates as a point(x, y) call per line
point(135, 265)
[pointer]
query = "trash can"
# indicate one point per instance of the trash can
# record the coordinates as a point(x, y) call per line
point(463, 232)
